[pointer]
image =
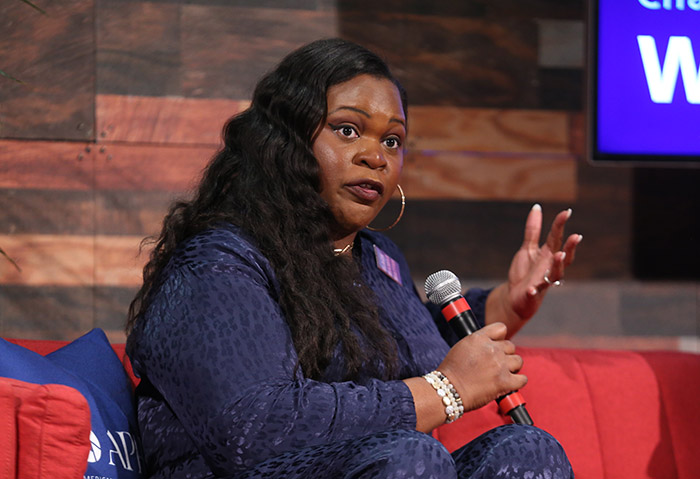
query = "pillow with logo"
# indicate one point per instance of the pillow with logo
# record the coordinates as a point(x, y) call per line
point(90, 365)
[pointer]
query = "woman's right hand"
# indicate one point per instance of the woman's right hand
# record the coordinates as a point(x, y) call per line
point(483, 366)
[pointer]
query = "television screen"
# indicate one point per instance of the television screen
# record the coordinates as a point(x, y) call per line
point(644, 81)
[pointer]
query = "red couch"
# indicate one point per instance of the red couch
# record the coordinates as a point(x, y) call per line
point(618, 414)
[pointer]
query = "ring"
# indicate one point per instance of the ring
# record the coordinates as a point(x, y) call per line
point(550, 282)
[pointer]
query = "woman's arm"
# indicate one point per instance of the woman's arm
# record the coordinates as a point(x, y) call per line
point(218, 349)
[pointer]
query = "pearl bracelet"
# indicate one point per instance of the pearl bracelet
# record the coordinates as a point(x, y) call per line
point(454, 409)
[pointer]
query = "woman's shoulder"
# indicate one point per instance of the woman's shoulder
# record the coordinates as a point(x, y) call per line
point(225, 243)
point(217, 260)
point(224, 249)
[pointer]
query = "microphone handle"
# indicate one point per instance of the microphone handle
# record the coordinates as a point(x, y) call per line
point(464, 323)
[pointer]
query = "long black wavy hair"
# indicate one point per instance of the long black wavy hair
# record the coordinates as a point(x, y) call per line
point(265, 179)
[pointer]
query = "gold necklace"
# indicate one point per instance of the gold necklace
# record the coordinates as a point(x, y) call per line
point(339, 251)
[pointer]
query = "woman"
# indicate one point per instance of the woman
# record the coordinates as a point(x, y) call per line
point(268, 340)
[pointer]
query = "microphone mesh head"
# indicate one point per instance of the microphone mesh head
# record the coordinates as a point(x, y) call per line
point(442, 286)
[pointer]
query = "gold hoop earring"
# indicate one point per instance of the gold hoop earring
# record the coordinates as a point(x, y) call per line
point(403, 206)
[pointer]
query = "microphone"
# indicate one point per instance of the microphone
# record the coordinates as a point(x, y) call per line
point(444, 289)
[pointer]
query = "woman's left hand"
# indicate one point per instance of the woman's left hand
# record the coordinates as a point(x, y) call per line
point(535, 268)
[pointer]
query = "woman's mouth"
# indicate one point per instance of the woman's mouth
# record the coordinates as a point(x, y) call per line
point(366, 190)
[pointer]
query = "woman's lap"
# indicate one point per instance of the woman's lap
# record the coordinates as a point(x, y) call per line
point(399, 454)
point(513, 451)
point(505, 452)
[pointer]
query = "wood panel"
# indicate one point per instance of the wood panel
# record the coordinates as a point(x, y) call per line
point(57, 212)
point(496, 9)
point(490, 177)
point(45, 312)
point(604, 217)
point(488, 130)
point(457, 61)
point(63, 312)
point(248, 43)
point(577, 134)
point(138, 48)
point(469, 54)
point(427, 176)
point(561, 9)
point(46, 165)
point(670, 306)
point(112, 305)
point(473, 239)
point(119, 260)
point(132, 213)
point(479, 238)
point(513, 171)
point(83, 167)
point(482, 235)
point(488, 62)
point(46, 211)
point(201, 50)
point(173, 120)
point(561, 88)
point(53, 56)
point(150, 168)
point(115, 260)
point(630, 308)
point(63, 260)
point(49, 260)
point(431, 173)
point(445, 8)
point(197, 121)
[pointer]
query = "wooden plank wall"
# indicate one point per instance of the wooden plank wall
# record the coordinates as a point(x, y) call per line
point(122, 103)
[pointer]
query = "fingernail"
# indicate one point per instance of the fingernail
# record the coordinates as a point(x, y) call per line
point(563, 256)
point(568, 212)
point(537, 207)
point(580, 238)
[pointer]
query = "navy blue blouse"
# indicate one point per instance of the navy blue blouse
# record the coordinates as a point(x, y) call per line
point(219, 391)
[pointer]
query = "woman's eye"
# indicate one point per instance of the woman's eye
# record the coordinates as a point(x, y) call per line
point(392, 142)
point(346, 131)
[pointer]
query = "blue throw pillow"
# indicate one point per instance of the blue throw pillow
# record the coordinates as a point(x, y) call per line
point(90, 365)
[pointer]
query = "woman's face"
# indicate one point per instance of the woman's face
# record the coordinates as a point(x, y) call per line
point(360, 150)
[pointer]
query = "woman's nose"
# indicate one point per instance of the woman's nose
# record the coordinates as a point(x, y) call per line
point(371, 155)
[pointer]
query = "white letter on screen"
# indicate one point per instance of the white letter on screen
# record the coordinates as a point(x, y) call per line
point(662, 80)
point(650, 4)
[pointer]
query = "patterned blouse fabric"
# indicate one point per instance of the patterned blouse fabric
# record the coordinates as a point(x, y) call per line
point(219, 394)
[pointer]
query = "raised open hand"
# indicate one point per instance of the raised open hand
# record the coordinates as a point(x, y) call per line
point(535, 268)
